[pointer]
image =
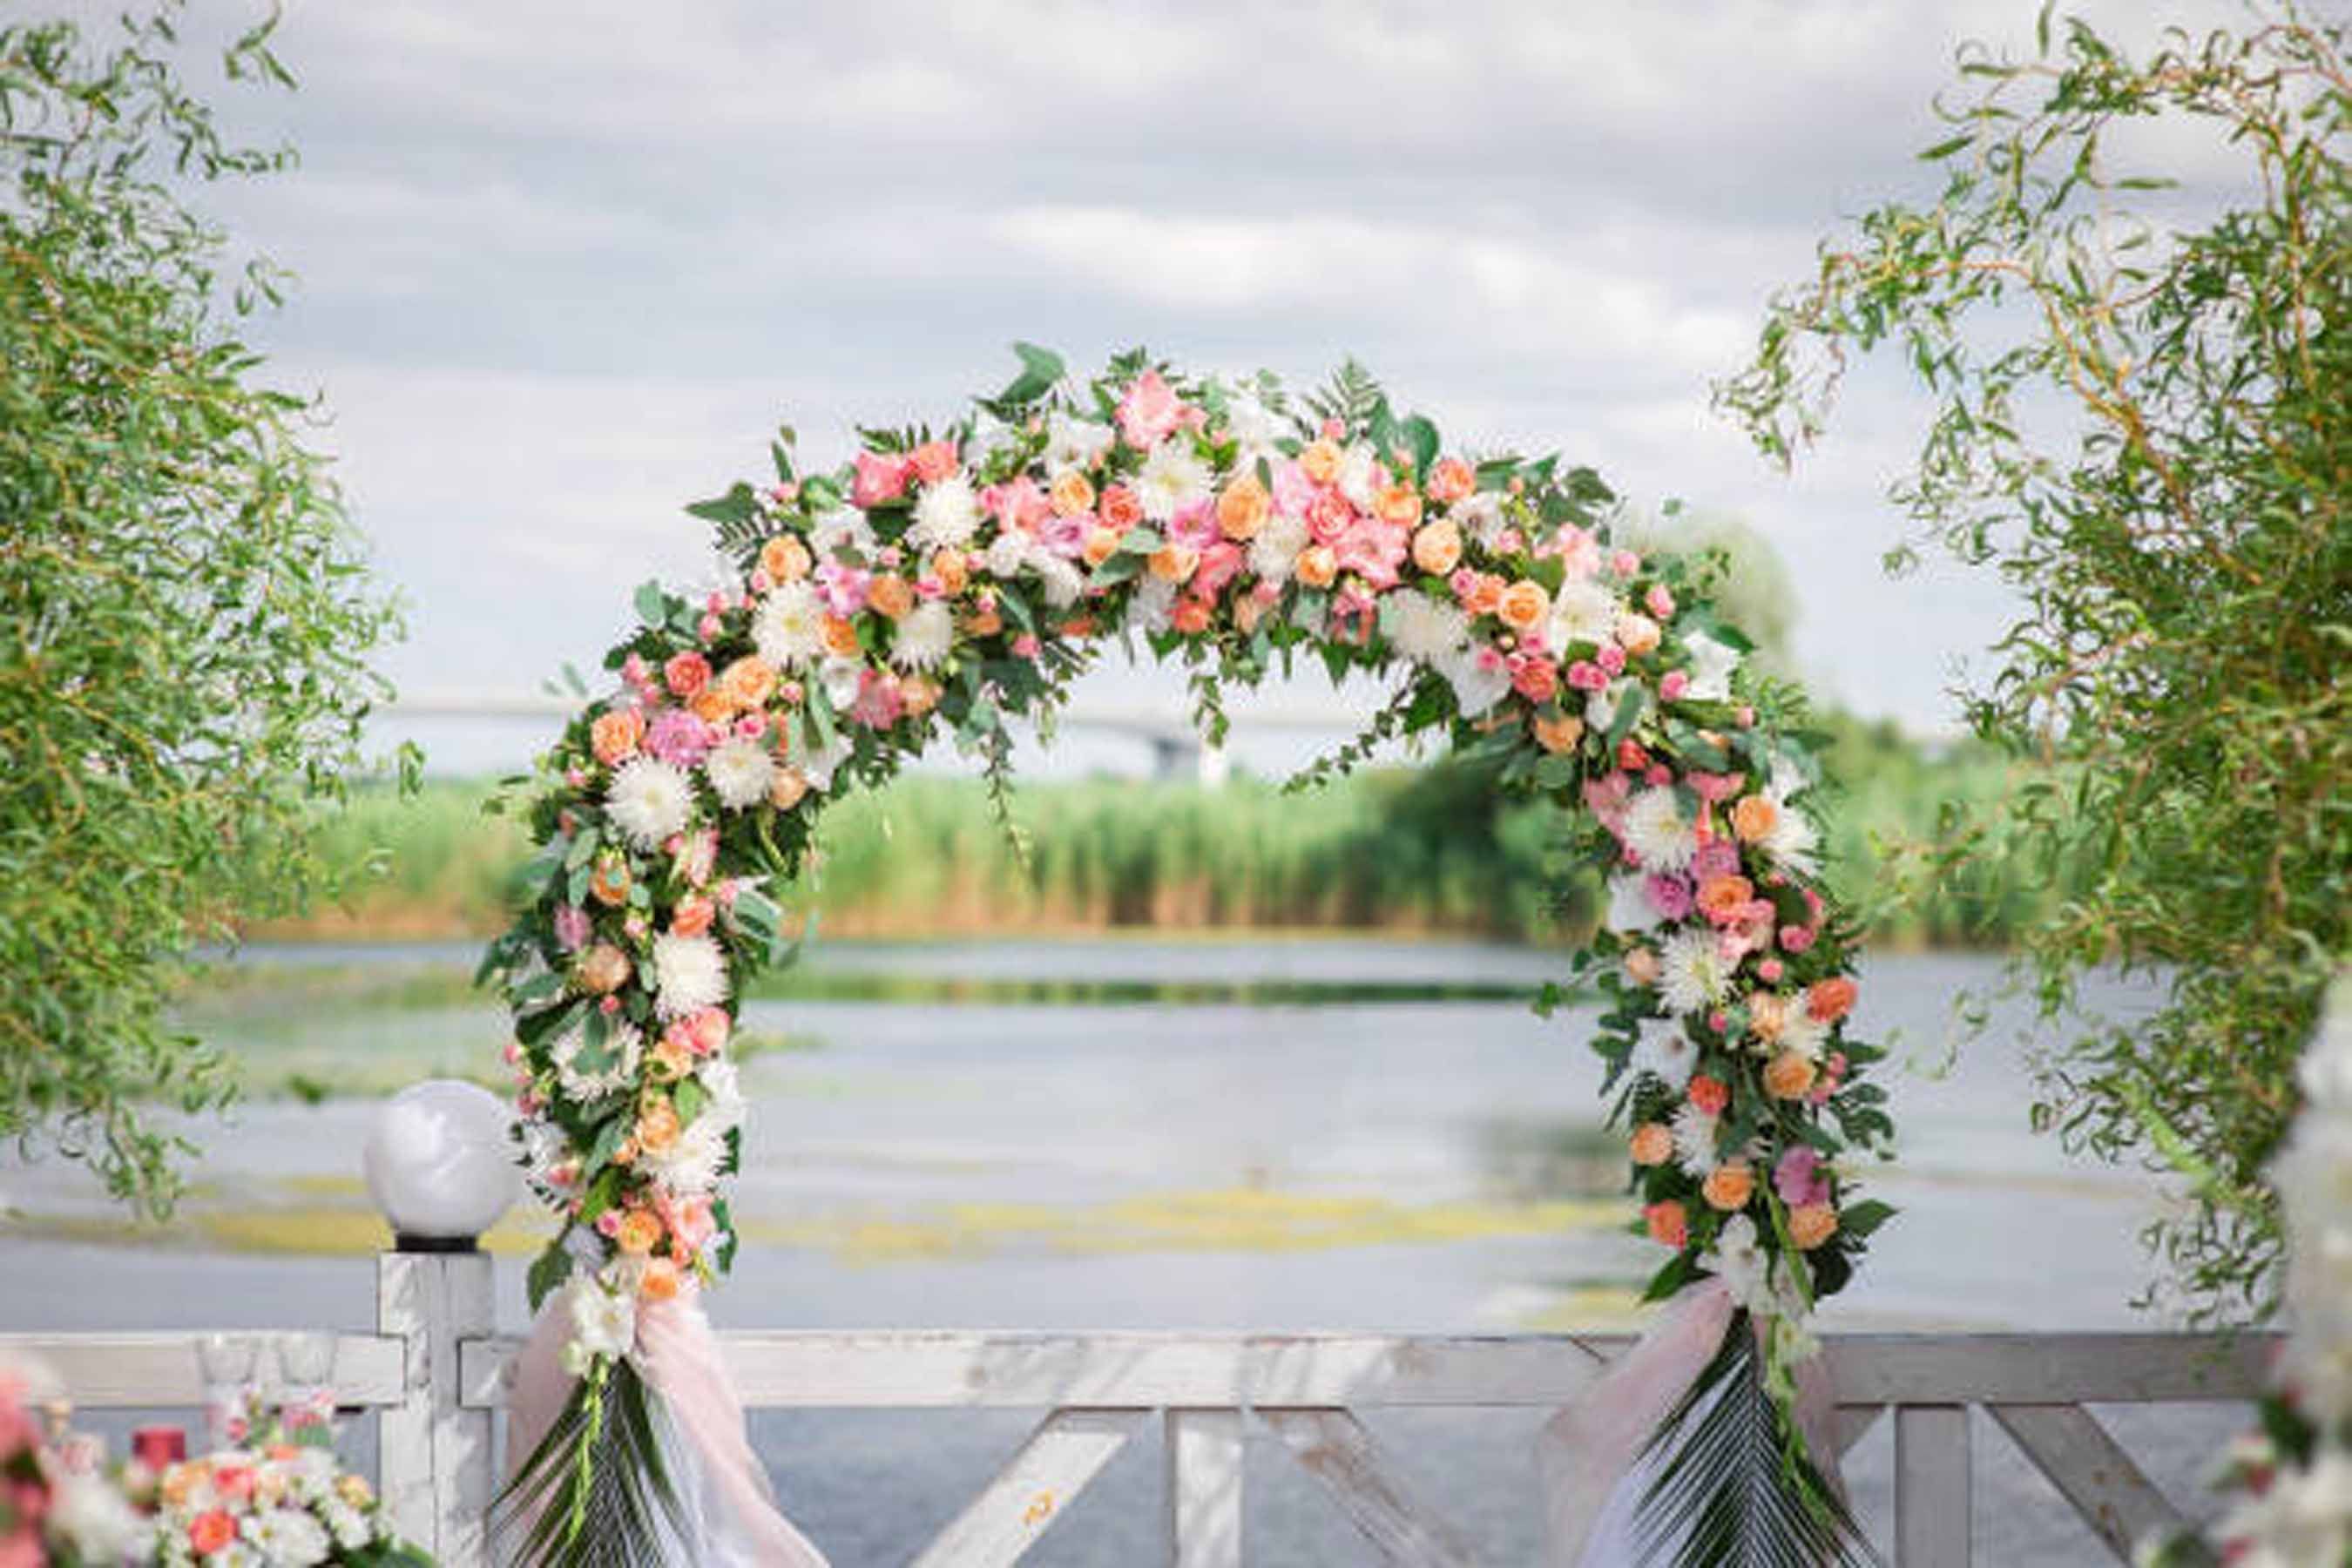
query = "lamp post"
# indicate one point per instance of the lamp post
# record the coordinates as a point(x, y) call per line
point(440, 1166)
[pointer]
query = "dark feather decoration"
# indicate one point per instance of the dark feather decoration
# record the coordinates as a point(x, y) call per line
point(595, 1492)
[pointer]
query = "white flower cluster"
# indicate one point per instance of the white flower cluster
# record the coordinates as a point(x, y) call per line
point(312, 1512)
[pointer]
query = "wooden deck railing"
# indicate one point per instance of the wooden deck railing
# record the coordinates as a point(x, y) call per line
point(435, 1374)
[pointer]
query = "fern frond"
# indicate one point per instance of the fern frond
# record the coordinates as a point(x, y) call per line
point(594, 1493)
point(1733, 1486)
point(1350, 397)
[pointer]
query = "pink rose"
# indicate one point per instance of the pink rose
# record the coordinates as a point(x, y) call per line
point(1670, 896)
point(1221, 563)
point(1293, 492)
point(1374, 550)
point(1661, 602)
point(572, 928)
point(879, 703)
point(1149, 412)
point(1329, 516)
point(1611, 658)
point(879, 479)
point(1537, 680)
point(1672, 688)
point(678, 738)
point(686, 674)
point(1798, 1178)
point(1796, 939)
point(1194, 526)
point(1019, 504)
point(933, 461)
point(1586, 676)
point(1624, 563)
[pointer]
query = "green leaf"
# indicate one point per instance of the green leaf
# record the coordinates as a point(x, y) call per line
point(549, 1270)
point(1040, 369)
point(737, 505)
point(1862, 1218)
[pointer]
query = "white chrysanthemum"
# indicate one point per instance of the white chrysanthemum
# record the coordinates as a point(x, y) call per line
point(739, 771)
point(690, 1166)
point(625, 1044)
point(1063, 581)
point(347, 1525)
point(840, 675)
point(1802, 1034)
point(1691, 971)
point(1601, 707)
point(1355, 479)
point(1007, 553)
point(1696, 1133)
point(1665, 1049)
point(689, 974)
point(603, 1322)
point(946, 515)
point(837, 531)
point(925, 634)
point(1582, 611)
point(1480, 516)
point(1076, 442)
point(648, 800)
point(1710, 668)
point(1741, 1261)
point(1423, 628)
point(1477, 684)
point(723, 1084)
point(1788, 780)
point(788, 629)
point(1657, 831)
point(1257, 430)
point(93, 1518)
point(1174, 478)
point(287, 1538)
point(1149, 610)
point(1274, 553)
point(1630, 908)
point(1791, 841)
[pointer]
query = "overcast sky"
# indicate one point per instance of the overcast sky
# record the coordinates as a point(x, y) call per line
point(563, 267)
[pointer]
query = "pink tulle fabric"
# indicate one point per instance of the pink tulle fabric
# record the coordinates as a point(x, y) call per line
point(728, 1516)
point(1588, 1452)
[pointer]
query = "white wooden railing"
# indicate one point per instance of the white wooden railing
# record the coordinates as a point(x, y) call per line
point(436, 1372)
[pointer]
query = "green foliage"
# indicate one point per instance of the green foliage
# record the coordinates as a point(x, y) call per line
point(2142, 424)
point(184, 614)
point(594, 1493)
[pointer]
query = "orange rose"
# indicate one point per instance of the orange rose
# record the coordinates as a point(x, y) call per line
point(785, 559)
point(603, 970)
point(1637, 634)
point(1102, 543)
point(1652, 1144)
point(1398, 506)
point(615, 735)
point(1669, 1225)
point(933, 461)
point(1830, 1000)
point(1451, 480)
point(1486, 595)
point(1243, 507)
point(659, 1280)
point(693, 915)
point(640, 1232)
point(891, 595)
point(1248, 610)
point(211, 1531)
point(1754, 818)
point(1173, 564)
point(671, 1061)
point(608, 882)
point(1071, 493)
point(785, 790)
point(1768, 1015)
point(1320, 461)
point(1788, 1075)
point(657, 1128)
point(1317, 566)
point(983, 622)
point(1642, 966)
point(840, 637)
point(1710, 1094)
point(1524, 605)
point(1121, 508)
point(710, 705)
point(1810, 1225)
point(1730, 1186)
point(950, 568)
point(1559, 732)
point(749, 682)
point(1720, 897)
point(920, 694)
point(1190, 616)
point(1437, 548)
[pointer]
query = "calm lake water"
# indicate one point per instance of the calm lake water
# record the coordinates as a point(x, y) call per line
point(1353, 1154)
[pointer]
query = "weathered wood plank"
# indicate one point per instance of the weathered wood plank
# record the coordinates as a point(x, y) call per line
point(1205, 1451)
point(1850, 1423)
point(1931, 1486)
point(433, 1453)
point(2092, 1472)
point(116, 1372)
point(1065, 1452)
point(918, 1370)
point(1339, 1452)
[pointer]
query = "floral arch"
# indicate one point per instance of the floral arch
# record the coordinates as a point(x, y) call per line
point(947, 582)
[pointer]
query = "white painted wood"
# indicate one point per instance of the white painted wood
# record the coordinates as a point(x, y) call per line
point(1205, 1451)
point(1065, 1452)
point(1849, 1423)
point(2092, 1472)
point(436, 1464)
point(925, 1370)
point(117, 1372)
point(1339, 1452)
point(1931, 1486)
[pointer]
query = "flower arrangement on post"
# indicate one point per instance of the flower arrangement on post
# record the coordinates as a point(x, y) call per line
point(946, 583)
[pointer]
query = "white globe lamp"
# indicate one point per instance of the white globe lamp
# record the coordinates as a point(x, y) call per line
point(440, 1164)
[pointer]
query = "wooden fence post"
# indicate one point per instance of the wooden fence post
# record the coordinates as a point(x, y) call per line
point(436, 1468)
